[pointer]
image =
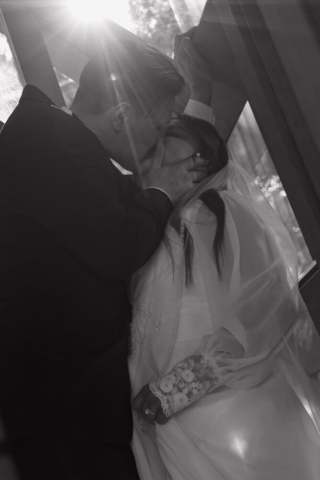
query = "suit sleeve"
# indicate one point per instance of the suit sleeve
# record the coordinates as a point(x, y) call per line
point(75, 199)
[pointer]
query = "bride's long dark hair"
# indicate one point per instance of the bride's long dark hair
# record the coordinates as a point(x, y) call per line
point(212, 148)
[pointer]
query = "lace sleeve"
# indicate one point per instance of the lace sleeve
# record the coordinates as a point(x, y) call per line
point(188, 381)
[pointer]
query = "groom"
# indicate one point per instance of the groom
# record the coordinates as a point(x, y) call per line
point(73, 230)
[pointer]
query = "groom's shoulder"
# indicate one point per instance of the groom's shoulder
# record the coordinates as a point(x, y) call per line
point(38, 122)
point(34, 107)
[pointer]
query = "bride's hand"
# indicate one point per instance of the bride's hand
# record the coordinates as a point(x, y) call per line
point(176, 179)
point(149, 406)
point(193, 67)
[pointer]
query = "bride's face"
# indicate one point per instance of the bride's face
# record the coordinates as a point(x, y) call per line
point(178, 144)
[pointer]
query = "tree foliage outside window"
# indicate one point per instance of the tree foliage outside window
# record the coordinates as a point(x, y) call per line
point(247, 148)
point(155, 23)
point(10, 85)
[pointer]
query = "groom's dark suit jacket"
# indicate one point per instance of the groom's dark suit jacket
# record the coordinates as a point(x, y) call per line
point(72, 231)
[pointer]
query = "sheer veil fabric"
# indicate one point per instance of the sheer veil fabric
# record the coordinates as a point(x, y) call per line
point(262, 419)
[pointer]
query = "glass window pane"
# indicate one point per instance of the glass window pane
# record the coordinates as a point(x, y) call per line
point(247, 147)
point(187, 12)
point(158, 21)
point(67, 61)
point(155, 22)
point(68, 87)
point(10, 83)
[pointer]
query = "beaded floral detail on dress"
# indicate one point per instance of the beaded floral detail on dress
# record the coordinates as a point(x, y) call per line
point(188, 381)
point(146, 324)
point(147, 319)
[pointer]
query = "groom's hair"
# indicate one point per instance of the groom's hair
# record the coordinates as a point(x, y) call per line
point(127, 69)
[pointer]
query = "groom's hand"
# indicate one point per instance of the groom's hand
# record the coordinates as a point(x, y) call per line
point(149, 406)
point(176, 179)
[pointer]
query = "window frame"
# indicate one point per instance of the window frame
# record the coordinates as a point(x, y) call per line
point(242, 23)
point(248, 65)
point(29, 50)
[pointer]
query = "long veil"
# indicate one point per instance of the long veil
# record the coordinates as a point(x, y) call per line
point(258, 297)
point(249, 323)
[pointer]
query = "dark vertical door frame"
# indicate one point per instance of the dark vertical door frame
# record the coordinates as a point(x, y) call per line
point(278, 111)
point(30, 50)
point(251, 42)
point(290, 52)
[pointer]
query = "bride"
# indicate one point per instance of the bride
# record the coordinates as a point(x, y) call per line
point(224, 354)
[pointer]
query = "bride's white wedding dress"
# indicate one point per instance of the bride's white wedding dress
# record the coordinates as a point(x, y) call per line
point(231, 358)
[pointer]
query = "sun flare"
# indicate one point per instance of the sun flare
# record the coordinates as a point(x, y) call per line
point(96, 10)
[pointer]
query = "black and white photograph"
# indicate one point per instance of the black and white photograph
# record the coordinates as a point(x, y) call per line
point(159, 239)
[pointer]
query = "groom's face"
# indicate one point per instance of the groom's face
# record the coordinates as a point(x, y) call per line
point(142, 132)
